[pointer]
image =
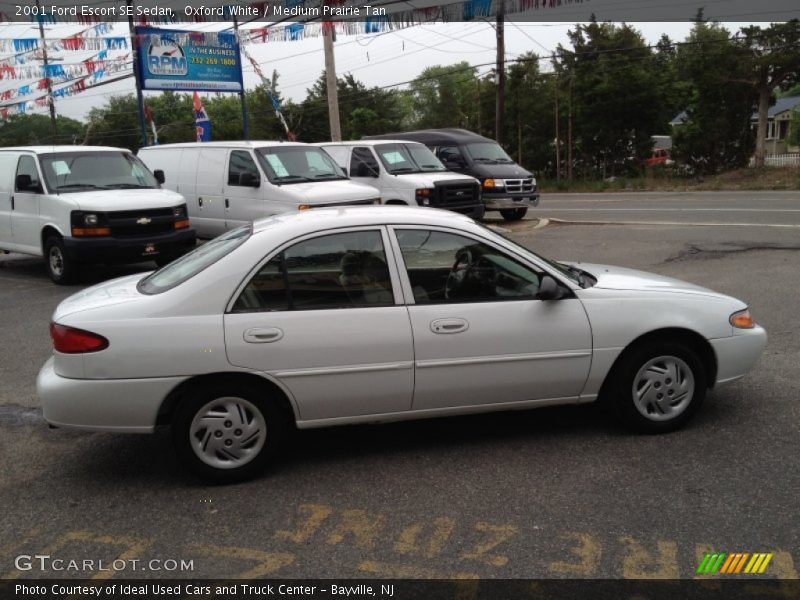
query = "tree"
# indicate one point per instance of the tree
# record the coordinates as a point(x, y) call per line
point(23, 130)
point(719, 101)
point(447, 96)
point(611, 77)
point(775, 64)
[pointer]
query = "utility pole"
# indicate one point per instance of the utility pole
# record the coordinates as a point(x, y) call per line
point(500, 75)
point(329, 36)
point(136, 74)
point(45, 62)
point(569, 132)
point(558, 140)
point(242, 98)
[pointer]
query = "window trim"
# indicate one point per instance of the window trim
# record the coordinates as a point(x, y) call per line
point(391, 263)
point(525, 261)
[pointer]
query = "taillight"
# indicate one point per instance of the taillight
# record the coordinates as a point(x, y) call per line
point(69, 340)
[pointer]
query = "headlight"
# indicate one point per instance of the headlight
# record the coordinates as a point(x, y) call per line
point(742, 319)
point(179, 211)
point(490, 184)
point(88, 224)
point(90, 219)
point(423, 196)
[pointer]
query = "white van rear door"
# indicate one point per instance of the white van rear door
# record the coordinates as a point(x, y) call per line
point(211, 170)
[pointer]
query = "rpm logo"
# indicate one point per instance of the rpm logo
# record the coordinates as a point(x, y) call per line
point(166, 58)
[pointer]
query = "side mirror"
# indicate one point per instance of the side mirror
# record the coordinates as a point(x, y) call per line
point(24, 183)
point(549, 289)
point(159, 175)
point(249, 180)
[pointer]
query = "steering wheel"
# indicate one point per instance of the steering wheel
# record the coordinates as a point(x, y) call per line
point(458, 273)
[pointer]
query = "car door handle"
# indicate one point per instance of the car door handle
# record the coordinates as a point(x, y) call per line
point(227, 203)
point(453, 325)
point(12, 202)
point(263, 335)
point(200, 201)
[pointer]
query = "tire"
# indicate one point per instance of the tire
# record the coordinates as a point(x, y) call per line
point(242, 410)
point(669, 369)
point(61, 269)
point(514, 214)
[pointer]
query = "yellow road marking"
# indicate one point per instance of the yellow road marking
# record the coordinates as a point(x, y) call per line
point(268, 562)
point(587, 550)
point(641, 564)
point(409, 541)
point(364, 527)
point(317, 513)
point(497, 534)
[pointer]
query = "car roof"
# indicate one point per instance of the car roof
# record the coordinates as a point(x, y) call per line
point(450, 135)
point(368, 142)
point(62, 148)
point(321, 219)
point(234, 144)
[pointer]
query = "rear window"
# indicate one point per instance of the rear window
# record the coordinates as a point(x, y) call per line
point(189, 265)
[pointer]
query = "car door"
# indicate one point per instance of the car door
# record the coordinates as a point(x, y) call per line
point(25, 213)
point(243, 194)
point(480, 334)
point(364, 167)
point(324, 318)
point(211, 170)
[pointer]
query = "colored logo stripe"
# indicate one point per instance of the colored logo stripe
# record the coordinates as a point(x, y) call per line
point(734, 563)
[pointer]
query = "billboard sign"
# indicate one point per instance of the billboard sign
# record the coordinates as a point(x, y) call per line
point(177, 60)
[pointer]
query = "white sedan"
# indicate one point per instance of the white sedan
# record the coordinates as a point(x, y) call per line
point(356, 315)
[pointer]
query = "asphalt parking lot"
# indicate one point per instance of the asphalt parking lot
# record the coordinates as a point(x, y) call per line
point(560, 492)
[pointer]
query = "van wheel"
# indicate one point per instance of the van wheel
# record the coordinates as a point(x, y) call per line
point(514, 214)
point(61, 269)
point(227, 431)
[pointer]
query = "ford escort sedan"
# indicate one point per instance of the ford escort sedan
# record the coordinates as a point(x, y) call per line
point(375, 314)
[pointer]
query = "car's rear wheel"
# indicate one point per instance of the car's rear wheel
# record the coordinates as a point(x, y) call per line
point(228, 431)
point(658, 387)
point(60, 267)
point(514, 214)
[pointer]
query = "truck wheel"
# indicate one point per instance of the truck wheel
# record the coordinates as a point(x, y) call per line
point(514, 214)
point(61, 269)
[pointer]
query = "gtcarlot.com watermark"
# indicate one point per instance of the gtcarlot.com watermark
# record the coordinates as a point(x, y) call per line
point(46, 562)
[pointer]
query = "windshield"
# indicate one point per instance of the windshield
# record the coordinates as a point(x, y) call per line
point(189, 265)
point(408, 158)
point(67, 172)
point(296, 164)
point(489, 152)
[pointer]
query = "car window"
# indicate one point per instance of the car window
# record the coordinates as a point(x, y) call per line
point(444, 267)
point(192, 263)
point(27, 166)
point(363, 163)
point(241, 162)
point(342, 270)
point(450, 154)
point(298, 164)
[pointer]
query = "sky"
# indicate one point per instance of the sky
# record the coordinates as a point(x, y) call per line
point(376, 59)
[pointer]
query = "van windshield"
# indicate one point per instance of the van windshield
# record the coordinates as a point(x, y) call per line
point(67, 172)
point(297, 164)
point(488, 152)
point(408, 158)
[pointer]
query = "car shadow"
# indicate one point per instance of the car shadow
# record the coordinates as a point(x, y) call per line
point(32, 269)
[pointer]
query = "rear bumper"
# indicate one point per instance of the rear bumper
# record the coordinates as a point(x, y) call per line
point(121, 405)
point(133, 249)
point(737, 354)
point(510, 201)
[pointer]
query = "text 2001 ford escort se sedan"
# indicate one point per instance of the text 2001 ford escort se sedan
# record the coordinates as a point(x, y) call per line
point(375, 314)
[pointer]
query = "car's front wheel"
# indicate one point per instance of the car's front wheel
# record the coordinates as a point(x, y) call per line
point(658, 387)
point(227, 431)
point(60, 267)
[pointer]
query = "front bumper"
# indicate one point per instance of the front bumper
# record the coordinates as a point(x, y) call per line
point(496, 201)
point(130, 249)
point(737, 354)
point(120, 405)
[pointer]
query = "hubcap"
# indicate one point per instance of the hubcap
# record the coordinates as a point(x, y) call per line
point(228, 433)
point(56, 261)
point(663, 388)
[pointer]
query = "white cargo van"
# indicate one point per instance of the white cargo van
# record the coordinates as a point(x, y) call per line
point(87, 204)
point(228, 184)
point(407, 173)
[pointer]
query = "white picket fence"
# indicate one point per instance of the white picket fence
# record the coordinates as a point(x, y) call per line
point(779, 160)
